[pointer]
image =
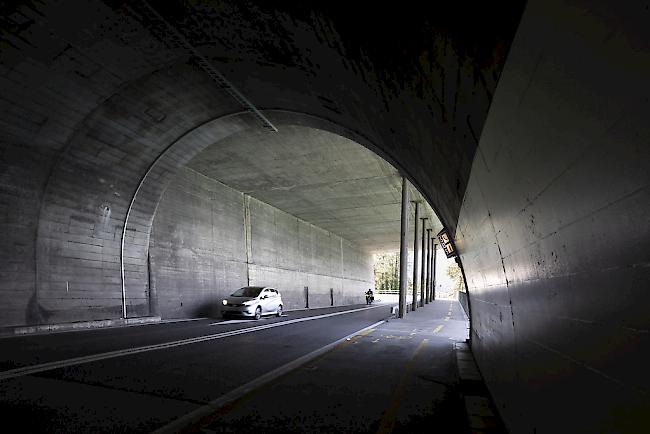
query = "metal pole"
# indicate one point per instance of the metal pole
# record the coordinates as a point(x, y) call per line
point(396, 274)
point(430, 273)
point(430, 270)
point(403, 250)
point(428, 278)
point(415, 256)
point(433, 284)
point(422, 272)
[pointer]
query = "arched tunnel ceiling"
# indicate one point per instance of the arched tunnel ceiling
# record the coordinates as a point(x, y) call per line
point(376, 74)
point(320, 177)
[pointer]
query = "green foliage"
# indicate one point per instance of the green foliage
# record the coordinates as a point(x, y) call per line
point(454, 273)
point(386, 271)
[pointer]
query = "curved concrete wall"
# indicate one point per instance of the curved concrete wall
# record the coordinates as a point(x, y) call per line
point(90, 108)
point(555, 225)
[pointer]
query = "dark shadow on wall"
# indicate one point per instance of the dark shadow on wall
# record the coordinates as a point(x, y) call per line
point(35, 313)
point(207, 310)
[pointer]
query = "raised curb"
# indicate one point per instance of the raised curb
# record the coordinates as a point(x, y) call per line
point(482, 415)
point(81, 325)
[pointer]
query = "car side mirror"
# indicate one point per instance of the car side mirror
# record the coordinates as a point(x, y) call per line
point(265, 296)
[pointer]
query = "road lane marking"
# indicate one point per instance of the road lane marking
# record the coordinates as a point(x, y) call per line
point(437, 329)
point(307, 318)
point(34, 369)
point(233, 321)
point(387, 422)
point(213, 409)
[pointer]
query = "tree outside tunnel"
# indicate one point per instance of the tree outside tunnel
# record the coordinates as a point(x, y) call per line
point(449, 278)
point(386, 271)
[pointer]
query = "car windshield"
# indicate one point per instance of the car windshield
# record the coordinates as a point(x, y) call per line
point(248, 291)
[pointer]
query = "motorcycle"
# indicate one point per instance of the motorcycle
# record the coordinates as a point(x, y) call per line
point(369, 298)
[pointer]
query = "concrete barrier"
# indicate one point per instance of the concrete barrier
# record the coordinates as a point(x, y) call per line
point(81, 325)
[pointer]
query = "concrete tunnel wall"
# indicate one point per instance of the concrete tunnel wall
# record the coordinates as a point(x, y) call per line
point(99, 115)
point(88, 108)
point(554, 231)
point(199, 252)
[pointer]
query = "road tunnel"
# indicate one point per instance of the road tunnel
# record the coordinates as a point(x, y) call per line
point(524, 126)
point(300, 209)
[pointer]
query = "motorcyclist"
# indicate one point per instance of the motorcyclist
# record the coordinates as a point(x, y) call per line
point(369, 296)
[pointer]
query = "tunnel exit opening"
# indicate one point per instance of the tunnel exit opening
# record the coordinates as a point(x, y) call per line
point(301, 208)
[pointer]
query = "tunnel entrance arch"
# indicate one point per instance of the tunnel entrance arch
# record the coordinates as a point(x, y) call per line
point(152, 186)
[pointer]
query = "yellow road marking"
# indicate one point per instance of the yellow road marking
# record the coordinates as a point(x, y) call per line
point(366, 333)
point(387, 422)
point(352, 340)
point(246, 397)
point(437, 329)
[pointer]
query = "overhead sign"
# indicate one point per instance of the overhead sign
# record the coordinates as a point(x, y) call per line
point(446, 243)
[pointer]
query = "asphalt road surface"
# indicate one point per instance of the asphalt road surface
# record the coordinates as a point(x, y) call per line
point(141, 378)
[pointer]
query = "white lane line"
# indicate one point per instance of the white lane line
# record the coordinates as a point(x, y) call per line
point(308, 318)
point(233, 321)
point(33, 369)
point(179, 424)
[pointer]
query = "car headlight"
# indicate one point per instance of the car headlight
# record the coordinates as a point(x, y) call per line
point(224, 302)
point(249, 302)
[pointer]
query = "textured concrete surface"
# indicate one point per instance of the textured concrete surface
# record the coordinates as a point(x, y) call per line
point(200, 252)
point(317, 176)
point(99, 114)
point(550, 212)
point(80, 325)
point(554, 230)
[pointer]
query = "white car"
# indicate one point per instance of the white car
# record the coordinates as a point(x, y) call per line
point(252, 301)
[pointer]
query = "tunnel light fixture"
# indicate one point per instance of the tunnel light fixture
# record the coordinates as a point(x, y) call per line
point(446, 243)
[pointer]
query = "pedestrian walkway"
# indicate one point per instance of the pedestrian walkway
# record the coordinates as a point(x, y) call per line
point(401, 376)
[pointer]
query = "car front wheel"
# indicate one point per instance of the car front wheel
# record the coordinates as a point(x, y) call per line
point(258, 313)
